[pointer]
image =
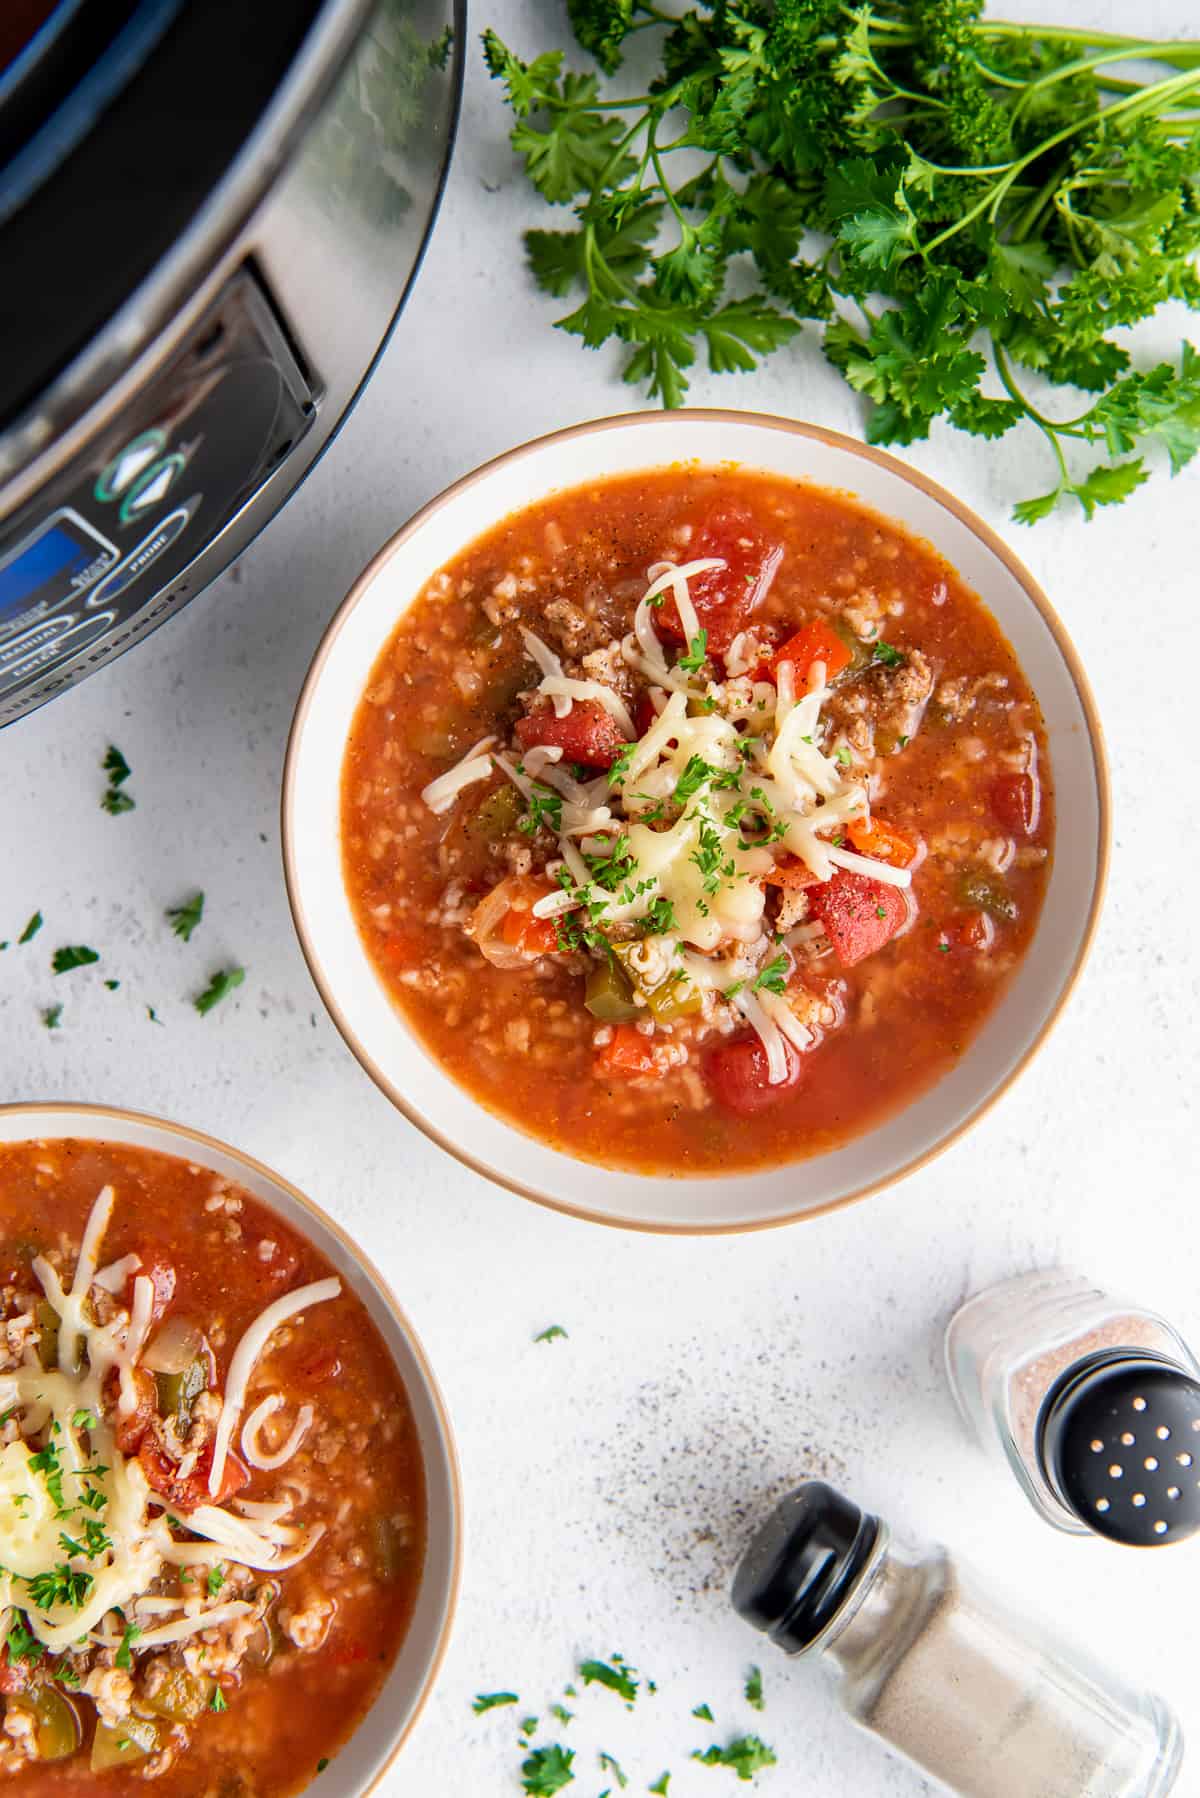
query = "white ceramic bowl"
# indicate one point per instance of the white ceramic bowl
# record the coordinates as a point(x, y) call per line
point(377, 1032)
point(359, 1766)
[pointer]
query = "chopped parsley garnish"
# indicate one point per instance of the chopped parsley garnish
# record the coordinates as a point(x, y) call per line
point(702, 1711)
point(219, 987)
point(153, 1015)
point(74, 955)
point(215, 1580)
point(116, 767)
point(489, 1701)
point(83, 1420)
point(660, 1785)
point(322, 1763)
point(217, 1701)
point(46, 1462)
point(551, 1334)
point(51, 1016)
point(115, 802)
point(31, 929)
point(112, 985)
point(618, 1676)
point(527, 1727)
point(888, 655)
point(66, 1675)
point(659, 918)
point(23, 1645)
point(773, 978)
point(61, 1585)
point(123, 1656)
point(693, 661)
point(709, 857)
point(620, 765)
point(841, 756)
point(547, 1771)
point(184, 918)
point(754, 1689)
point(545, 811)
point(746, 1756)
point(562, 1713)
point(610, 870)
point(610, 1765)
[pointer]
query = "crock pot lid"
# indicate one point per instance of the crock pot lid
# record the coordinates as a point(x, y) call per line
point(109, 210)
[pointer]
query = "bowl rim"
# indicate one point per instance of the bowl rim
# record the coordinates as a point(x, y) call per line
point(707, 415)
point(187, 1134)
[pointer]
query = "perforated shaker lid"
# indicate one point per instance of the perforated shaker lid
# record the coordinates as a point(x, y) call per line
point(1119, 1437)
point(803, 1564)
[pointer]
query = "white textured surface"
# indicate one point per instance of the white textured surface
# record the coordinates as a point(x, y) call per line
point(611, 1477)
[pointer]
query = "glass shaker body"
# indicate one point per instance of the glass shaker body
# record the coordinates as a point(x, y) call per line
point(1007, 1346)
point(983, 1701)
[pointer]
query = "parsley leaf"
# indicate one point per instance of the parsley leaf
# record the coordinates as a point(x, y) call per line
point(488, 1701)
point(31, 929)
point(51, 1016)
point(773, 978)
point(745, 1756)
point(888, 654)
point(618, 1676)
point(118, 770)
point(660, 1785)
point(610, 1765)
point(697, 650)
point(124, 1657)
point(184, 918)
point(217, 1700)
point(547, 1771)
point(222, 983)
point(703, 1712)
point(77, 955)
point(215, 1579)
point(754, 1689)
point(950, 200)
point(551, 1334)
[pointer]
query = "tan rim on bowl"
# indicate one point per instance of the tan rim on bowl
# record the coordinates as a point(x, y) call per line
point(101, 1123)
point(650, 422)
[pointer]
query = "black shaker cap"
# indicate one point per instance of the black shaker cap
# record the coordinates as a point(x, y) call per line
point(1119, 1439)
point(802, 1565)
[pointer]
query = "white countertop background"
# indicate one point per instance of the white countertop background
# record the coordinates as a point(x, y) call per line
point(612, 1478)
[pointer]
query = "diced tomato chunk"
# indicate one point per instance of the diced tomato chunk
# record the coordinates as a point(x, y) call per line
point(874, 837)
point(814, 642)
point(791, 873)
point(588, 734)
point(130, 1430)
point(162, 1476)
point(974, 931)
point(859, 915)
point(725, 598)
point(520, 929)
point(1017, 802)
point(626, 1056)
point(157, 1267)
point(739, 1077)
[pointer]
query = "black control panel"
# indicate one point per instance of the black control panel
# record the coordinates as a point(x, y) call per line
point(100, 558)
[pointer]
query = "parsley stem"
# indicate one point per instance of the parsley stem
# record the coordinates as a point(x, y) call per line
point(1083, 64)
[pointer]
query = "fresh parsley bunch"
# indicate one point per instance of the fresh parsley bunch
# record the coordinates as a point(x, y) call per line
point(956, 201)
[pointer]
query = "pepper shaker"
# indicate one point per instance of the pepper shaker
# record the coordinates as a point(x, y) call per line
point(929, 1661)
point(1092, 1402)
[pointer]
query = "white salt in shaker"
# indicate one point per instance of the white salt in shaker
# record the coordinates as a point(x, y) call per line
point(927, 1659)
point(1093, 1403)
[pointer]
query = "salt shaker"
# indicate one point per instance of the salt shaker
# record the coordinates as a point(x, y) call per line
point(929, 1661)
point(1093, 1403)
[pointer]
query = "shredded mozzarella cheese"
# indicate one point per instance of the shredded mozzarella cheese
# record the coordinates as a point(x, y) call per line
point(246, 1355)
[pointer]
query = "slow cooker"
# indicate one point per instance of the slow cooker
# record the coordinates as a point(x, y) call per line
point(210, 214)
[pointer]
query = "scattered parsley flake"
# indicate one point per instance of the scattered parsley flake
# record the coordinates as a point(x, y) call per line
point(215, 1579)
point(660, 1785)
point(322, 1763)
point(610, 1765)
point(551, 1334)
point(888, 654)
point(217, 1701)
point(545, 811)
point(618, 1676)
point(693, 661)
point(73, 955)
point(222, 983)
point(184, 918)
point(620, 765)
point(745, 1756)
point(754, 1689)
point(116, 767)
point(702, 1711)
point(115, 802)
point(124, 1658)
point(23, 1645)
point(31, 929)
point(547, 1771)
point(51, 1016)
point(562, 1713)
point(773, 978)
point(489, 1701)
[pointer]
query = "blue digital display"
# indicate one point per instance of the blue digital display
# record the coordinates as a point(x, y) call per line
point(52, 559)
